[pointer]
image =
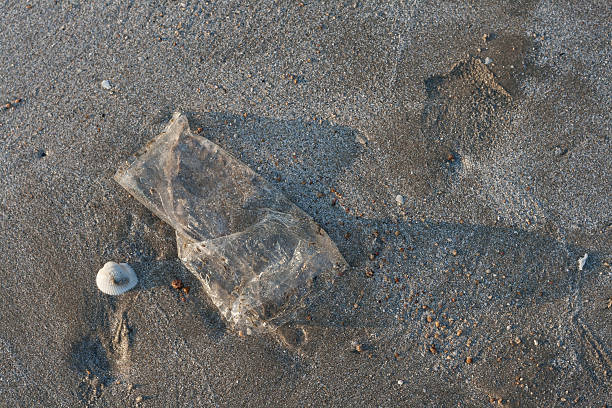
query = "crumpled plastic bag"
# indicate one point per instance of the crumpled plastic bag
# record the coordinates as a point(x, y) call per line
point(258, 256)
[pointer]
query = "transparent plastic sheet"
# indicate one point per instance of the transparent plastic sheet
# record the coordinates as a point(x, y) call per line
point(259, 257)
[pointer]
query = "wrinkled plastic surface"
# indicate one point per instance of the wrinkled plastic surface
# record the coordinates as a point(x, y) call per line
point(257, 254)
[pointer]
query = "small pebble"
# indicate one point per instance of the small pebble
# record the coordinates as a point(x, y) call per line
point(139, 399)
point(399, 200)
point(582, 262)
point(488, 60)
point(177, 284)
point(400, 382)
point(106, 84)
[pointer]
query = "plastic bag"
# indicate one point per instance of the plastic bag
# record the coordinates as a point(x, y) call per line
point(258, 256)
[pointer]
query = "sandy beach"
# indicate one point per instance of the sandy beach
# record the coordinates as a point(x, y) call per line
point(457, 154)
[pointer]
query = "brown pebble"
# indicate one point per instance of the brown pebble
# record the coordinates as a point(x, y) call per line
point(429, 319)
point(177, 284)
point(359, 348)
point(432, 349)
point(459, 332)
point(371, 256)
point(468, 360)
point(186, 290)
point(454, 252)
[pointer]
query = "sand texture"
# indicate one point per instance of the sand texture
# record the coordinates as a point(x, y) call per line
point(490, 119)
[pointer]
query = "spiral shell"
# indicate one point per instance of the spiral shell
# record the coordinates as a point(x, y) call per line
point(115, 279)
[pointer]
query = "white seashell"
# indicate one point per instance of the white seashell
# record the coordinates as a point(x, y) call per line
point(115, 279)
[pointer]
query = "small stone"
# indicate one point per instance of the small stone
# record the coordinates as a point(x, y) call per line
point(535, 342)
point(139, 399)
point(400, 382)
point(469, 360)
point(582, 262)
point(106, 84)
point(488, 60)
point(399, 200)
point(454, 252)
point(177, 284)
